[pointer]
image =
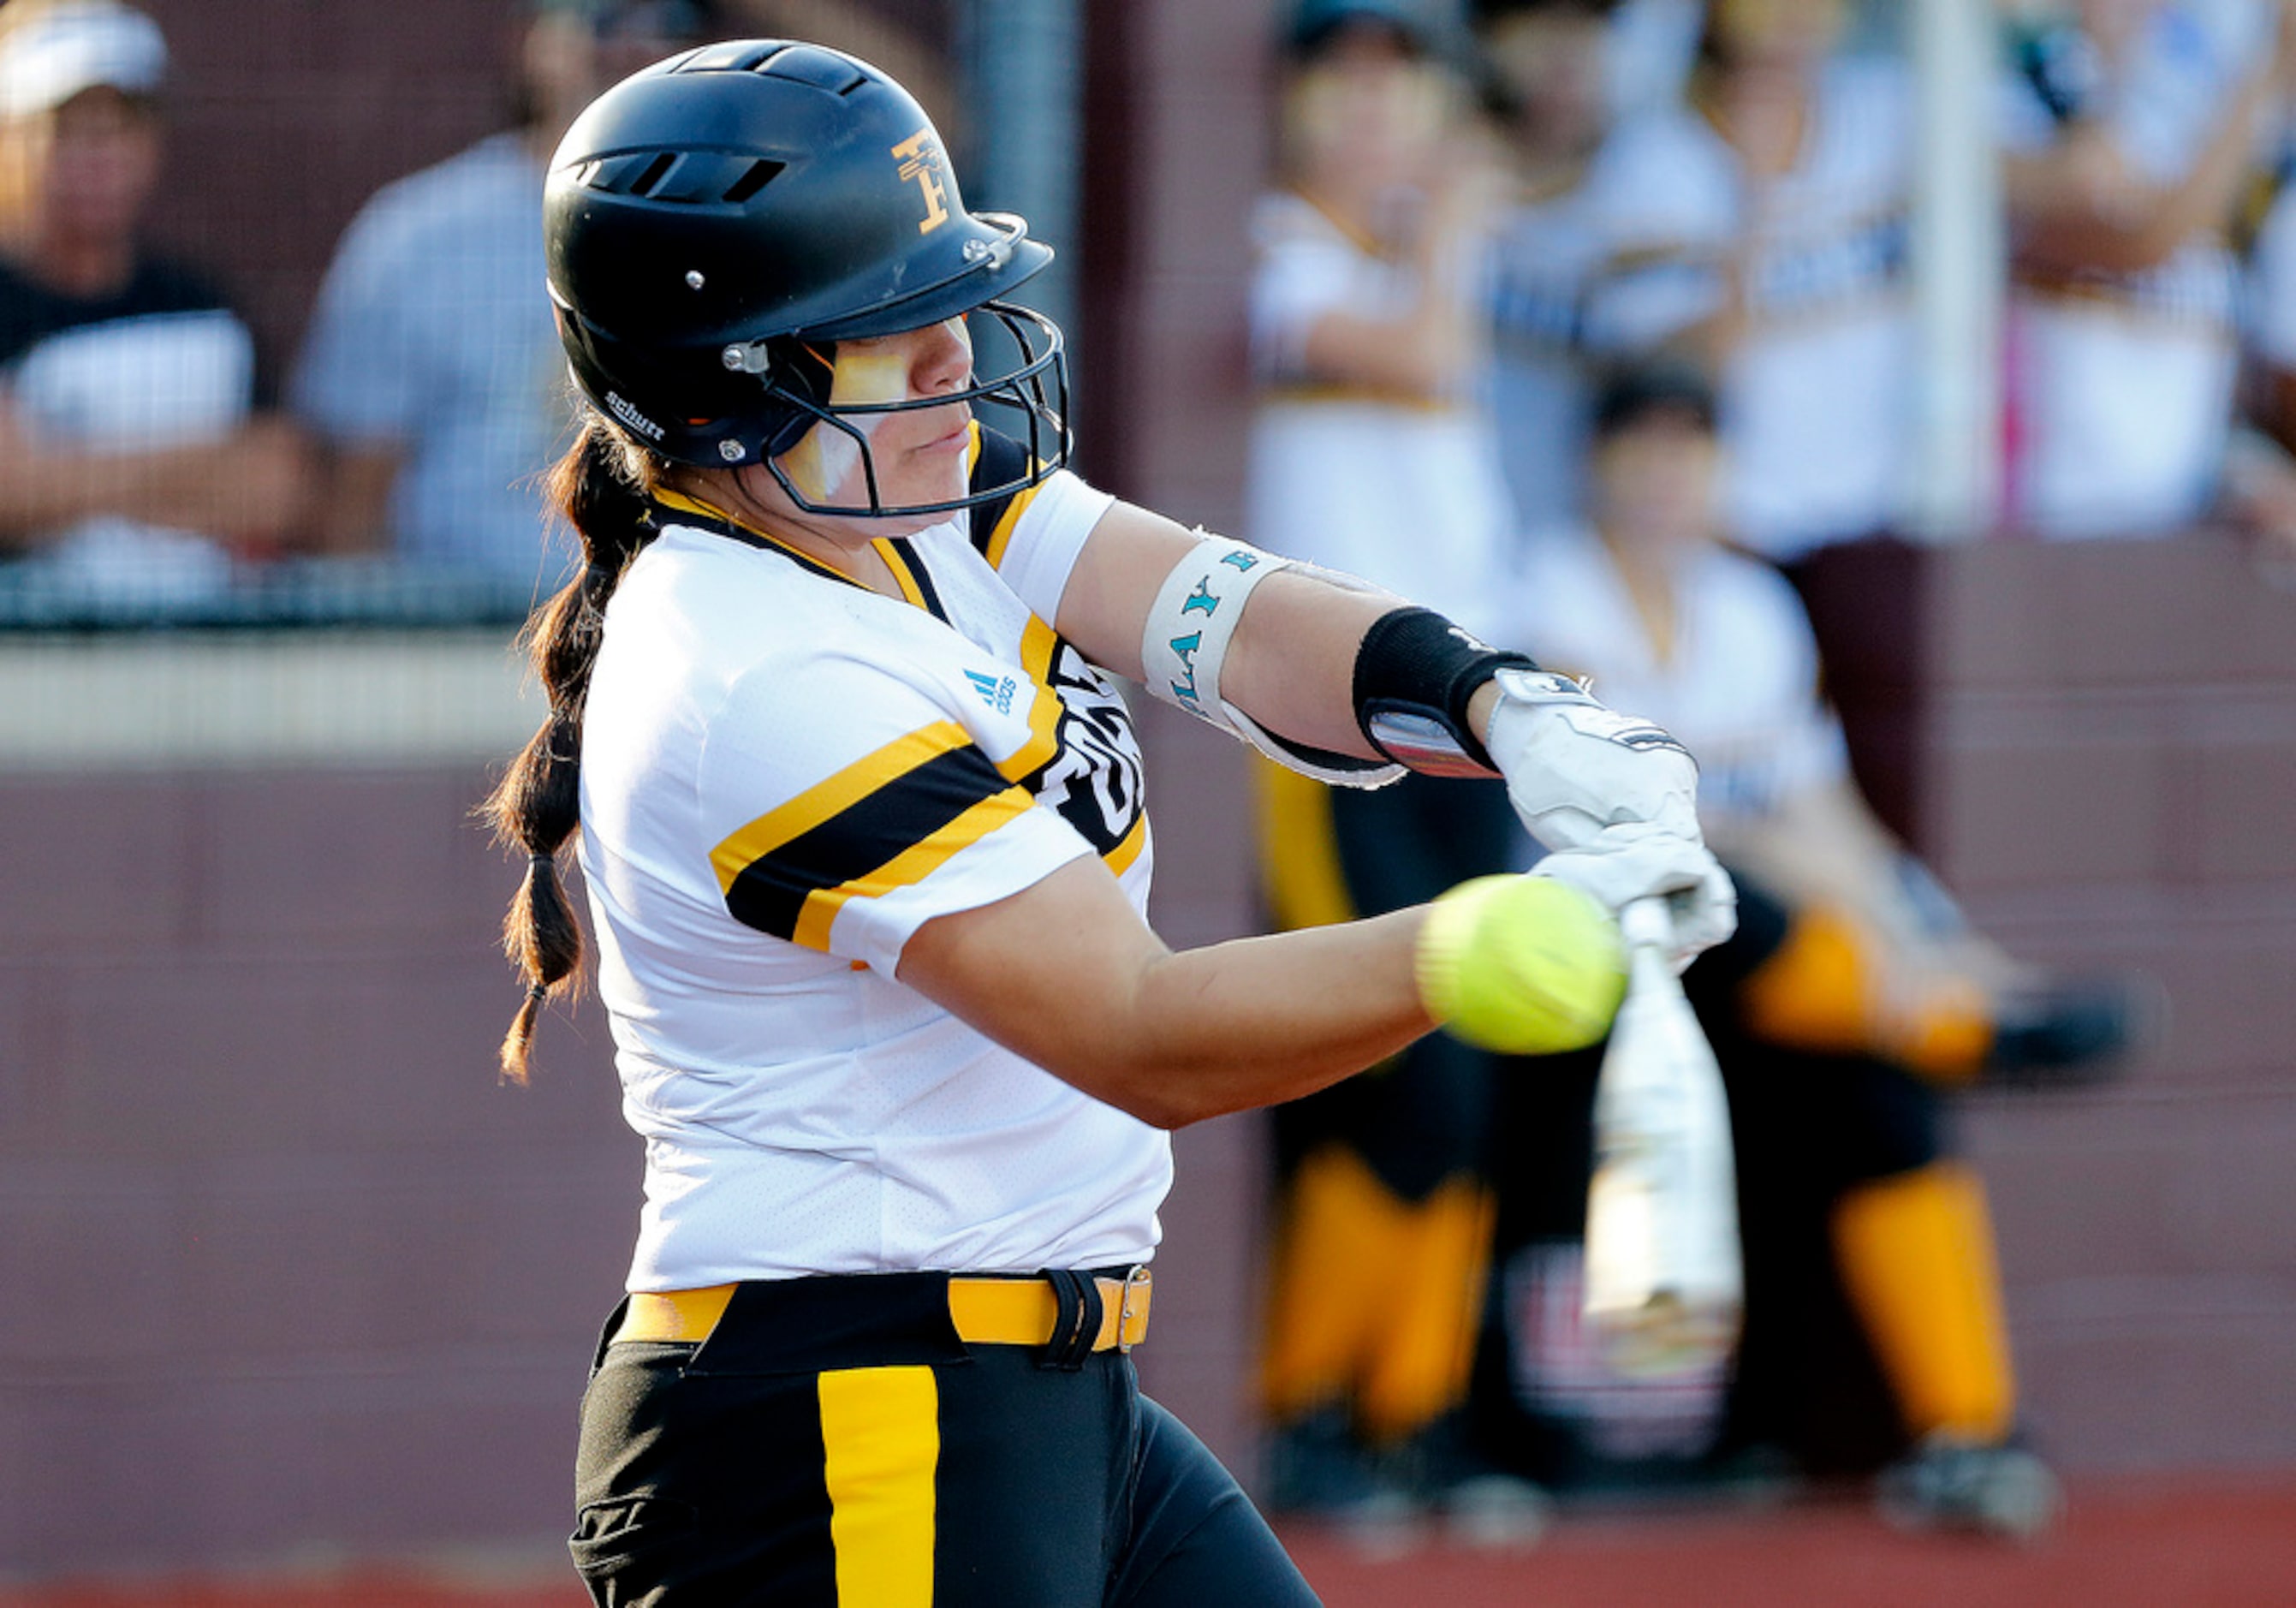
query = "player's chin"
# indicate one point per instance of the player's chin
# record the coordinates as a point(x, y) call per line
point(928, 475)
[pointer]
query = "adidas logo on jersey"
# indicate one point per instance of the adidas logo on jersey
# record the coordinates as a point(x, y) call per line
point(996, 693)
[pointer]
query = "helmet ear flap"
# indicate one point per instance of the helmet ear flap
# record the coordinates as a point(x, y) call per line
point(798, 373)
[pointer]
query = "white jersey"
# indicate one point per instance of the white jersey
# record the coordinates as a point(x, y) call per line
point(1815, 399)
point(1737, 683)
point(1547, 260)
point(783, 776)
point(2123, 382)
point(1404, 493)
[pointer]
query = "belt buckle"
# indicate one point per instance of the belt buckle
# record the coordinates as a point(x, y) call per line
point(1135, 1278)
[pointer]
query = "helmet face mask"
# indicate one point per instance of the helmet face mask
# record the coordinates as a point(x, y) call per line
point(1033, 395)
point(714, 223)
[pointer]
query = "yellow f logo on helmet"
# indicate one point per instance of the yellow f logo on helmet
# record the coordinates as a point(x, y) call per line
point(923, 163)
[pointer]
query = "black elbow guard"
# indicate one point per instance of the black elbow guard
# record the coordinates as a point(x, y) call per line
point(1415, 674)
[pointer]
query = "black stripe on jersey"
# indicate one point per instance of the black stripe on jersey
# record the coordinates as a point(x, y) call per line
point(907, 549)
point(1002, 460)
point(770, 893)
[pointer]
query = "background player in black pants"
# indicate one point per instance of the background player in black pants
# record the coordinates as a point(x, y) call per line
point(1851, 998)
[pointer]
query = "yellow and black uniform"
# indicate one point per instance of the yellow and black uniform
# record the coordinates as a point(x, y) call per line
point(843, 1374)
point(1384, 1214)
point(1384, 1222)
point(902, 1440)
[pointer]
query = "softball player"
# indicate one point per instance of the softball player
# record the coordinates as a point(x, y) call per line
point(861, 823)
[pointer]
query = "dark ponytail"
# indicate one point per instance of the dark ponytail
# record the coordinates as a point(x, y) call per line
point(599, 486)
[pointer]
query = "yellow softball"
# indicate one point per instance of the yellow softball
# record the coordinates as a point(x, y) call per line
point(1525, 965)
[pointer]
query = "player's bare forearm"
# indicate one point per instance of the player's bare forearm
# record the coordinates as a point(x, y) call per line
point(356, 481)
point(1256, 1020)
point(2080, 207)
point(1066, 974)
point(43, 487)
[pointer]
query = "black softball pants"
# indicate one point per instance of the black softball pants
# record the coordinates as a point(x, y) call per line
point(834, 1444)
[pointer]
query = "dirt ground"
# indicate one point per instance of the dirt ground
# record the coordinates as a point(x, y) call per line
point(2214, 1542)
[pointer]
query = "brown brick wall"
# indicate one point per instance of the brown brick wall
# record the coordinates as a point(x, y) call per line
point(284, 1264)
point(2105, 742)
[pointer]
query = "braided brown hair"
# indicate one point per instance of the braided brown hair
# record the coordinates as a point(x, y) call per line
point(601, 485)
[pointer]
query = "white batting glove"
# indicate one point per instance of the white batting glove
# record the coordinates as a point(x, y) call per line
point(1616, 798)
point(1629, 861)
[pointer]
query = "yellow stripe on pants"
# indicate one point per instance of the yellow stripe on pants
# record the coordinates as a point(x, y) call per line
point(881, 1430)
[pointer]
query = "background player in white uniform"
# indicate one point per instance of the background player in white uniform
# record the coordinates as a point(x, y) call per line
point(1764, 220)
point(1852, 994)
point(1548, 64)
point(1373, 453)
point(864, 839)
point(2132, 131)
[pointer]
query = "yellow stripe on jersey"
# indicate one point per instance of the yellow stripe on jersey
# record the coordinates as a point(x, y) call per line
point(826, 800)
point(880, 1439)
point(1038, 643)
point(886, 821)
point(1001, 538)
point(912, 865)
point(1119, 858)
point(683, 504)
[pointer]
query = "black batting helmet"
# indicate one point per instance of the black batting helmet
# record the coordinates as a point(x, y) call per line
point(717, 221)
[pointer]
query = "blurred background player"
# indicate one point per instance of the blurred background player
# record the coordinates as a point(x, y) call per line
point(1548, 80)
point(1852, 998)
point(2134, 131)
point(1372, 455)
point(431, 370)
point(133, 459)
point(1759, 224)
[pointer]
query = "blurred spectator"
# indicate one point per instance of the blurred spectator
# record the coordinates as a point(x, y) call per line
point(1853, 994)
point(432, 368)
point(1548, 61)
point(2260, 464)
point(132, 461)
point(1759, 224)
point(2133, 128)
point(1370, 454)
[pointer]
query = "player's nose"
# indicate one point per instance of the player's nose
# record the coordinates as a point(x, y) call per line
point(943, 359)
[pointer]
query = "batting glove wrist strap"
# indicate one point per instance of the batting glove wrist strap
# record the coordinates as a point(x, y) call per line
point(1415, 674)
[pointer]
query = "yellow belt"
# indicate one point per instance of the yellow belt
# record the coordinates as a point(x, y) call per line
point(987, 1311)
